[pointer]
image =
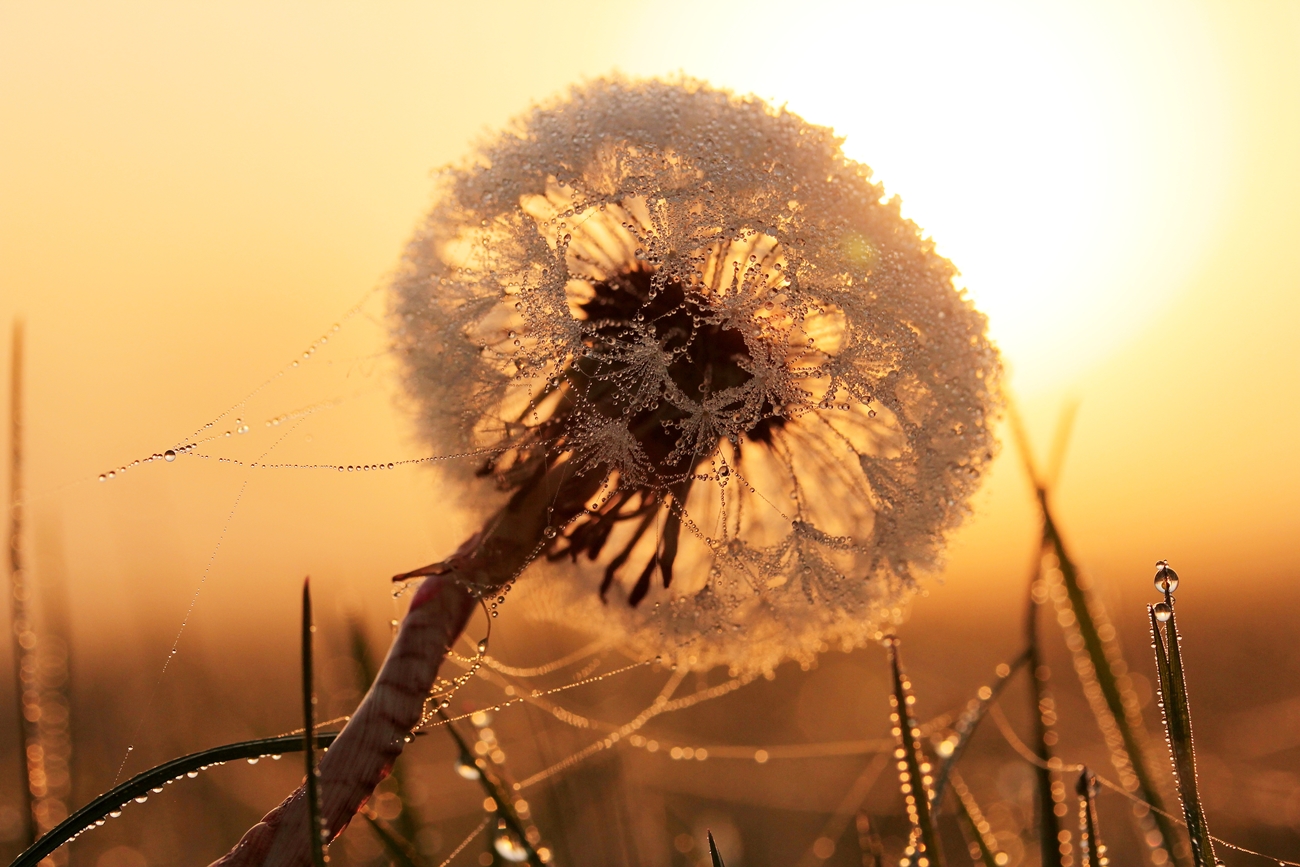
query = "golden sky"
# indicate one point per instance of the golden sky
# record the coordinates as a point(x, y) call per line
point(191, 194)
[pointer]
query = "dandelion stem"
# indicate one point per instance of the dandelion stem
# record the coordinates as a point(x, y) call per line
point(373, 738)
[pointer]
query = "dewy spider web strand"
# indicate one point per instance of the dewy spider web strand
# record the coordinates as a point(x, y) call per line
point(1014, 741)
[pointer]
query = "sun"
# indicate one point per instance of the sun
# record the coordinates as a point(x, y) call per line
point(1057, 154)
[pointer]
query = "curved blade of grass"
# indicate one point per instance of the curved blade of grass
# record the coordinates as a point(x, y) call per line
point(1127, 721)
point(495, 789)
point(966, 726)
point(1178, 726)
point(314, 827)
point(968, 810)
point(1049, 825)
point(1091, 849)
point(713, 851)
point(1110, 690)
point(398, 849)
point(909, 738)
point(144, 783)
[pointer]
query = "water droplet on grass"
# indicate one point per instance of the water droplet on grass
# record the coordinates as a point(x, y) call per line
point(1163, 611)
point(1166, 579)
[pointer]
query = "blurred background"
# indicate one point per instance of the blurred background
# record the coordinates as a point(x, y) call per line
point(191, 195)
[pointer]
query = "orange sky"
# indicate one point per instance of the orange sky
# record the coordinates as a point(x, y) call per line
point(192, 195)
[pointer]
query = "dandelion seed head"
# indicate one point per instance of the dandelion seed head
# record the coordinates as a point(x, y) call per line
point(771, 402)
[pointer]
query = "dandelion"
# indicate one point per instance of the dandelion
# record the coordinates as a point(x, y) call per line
point(723, 391)
point(740, 386)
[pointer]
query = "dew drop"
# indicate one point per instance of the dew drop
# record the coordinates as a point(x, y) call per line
point(1163, 611)
point(192, 774)
point(253, 760)
point(508, 846)
point(1166, 579)
point(169, 455)
point(142, 799)
point(243, 429)
point(549, 532)
point(114, 814)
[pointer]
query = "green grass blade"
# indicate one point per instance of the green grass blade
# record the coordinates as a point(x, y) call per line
point(1178, 727)
point(399, 850)
point(143, 783)
point(976, 826)
point(914, 777)
point(713, 851)
point(315, 827)
point(967, 724)
point(1106, 679)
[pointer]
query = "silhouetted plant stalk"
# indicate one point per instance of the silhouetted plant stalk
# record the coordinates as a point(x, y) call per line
point(984, 845)
point(1092, 852)
point(913, 768)
point(1053, 839)
point(510, 831)
point(141, 785)
point(1177, 714)
point(315, 826)
point(26, 686)
point(1097, 657)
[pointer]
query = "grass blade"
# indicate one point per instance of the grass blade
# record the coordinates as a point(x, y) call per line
point(713, 851)
point(1044, 715)
point(977, 826)
point(399, 850)
point(873, 848)
point(493, 784)
point(915, 775)
point(1092, 852)
point(24, 639)
point(315, 828)
point(969, 721)
point(144, 783)
point(1118, 713)
point(1178, 727)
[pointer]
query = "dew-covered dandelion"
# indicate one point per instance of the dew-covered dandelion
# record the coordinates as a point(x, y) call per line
point(725, 388)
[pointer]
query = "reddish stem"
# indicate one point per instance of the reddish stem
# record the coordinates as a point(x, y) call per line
point(370, 743)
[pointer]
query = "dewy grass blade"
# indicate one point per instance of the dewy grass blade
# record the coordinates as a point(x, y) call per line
point(1092, 852)
point(398, 849)
point(1178, 727)
point(967, 724)
point(977, 826)
point(915, 773)
point(1080, 603)
point(1050, 835)
point(143, 783)
point(496, 790)
point(1128, 754)
point(315, 829)
point(713, 851)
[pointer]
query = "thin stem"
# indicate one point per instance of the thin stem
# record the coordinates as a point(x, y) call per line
point(315, 827)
